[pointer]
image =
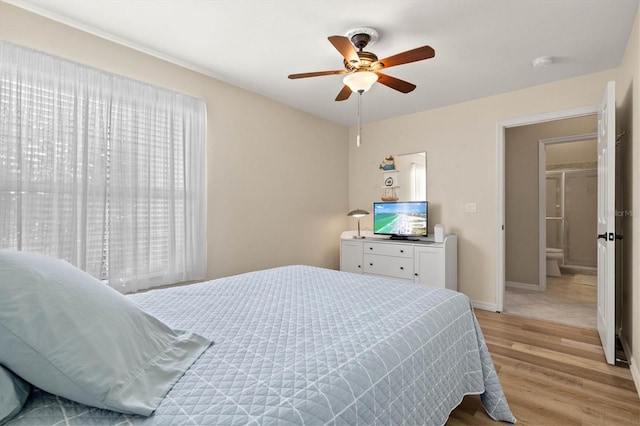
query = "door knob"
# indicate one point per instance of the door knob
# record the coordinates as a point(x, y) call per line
point(607, 237)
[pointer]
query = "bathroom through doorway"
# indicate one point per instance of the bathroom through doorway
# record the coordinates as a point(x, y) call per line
point(551, 266)
point(568, 201)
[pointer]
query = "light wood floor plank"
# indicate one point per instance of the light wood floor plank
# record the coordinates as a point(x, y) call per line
point(552, 374)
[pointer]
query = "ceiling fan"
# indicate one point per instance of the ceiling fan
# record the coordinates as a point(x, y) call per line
point(363, 68)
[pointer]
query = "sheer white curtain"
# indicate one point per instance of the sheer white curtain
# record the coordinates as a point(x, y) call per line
point(100, 170)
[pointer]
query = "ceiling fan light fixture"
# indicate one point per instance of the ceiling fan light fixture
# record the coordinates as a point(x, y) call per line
point(360, 81)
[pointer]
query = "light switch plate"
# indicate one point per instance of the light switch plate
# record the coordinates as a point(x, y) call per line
point(470, 208)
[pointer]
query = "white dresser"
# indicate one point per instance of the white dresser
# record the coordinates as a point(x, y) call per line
point(425, 262)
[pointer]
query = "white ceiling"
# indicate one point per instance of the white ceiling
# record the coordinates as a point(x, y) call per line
point(483, 47)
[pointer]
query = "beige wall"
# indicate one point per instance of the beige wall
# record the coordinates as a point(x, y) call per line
point(276, 177)
point(521, 192)
point(571, 154)
point(628, 119)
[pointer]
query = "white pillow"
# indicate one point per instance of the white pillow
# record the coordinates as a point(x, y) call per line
point(67, 333)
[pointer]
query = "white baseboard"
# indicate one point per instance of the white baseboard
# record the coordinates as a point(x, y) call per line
point(635, 374)
point(524, 286)
point(491, 307)
point(633, 367)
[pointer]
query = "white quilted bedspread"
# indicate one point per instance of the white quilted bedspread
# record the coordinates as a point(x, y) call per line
point(300, 345)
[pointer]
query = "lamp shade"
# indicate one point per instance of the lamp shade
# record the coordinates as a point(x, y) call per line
point(358, 213)
point(360, 81)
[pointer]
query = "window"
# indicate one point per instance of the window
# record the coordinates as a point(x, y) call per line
point(101, 170)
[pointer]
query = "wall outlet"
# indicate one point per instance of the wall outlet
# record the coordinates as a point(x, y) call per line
point(470, 208)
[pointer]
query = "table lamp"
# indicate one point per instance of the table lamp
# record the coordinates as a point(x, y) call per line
point(358, 213)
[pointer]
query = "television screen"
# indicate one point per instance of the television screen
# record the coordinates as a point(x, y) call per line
point(403, 218)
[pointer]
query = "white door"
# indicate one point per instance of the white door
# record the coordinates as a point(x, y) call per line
point(606, 222)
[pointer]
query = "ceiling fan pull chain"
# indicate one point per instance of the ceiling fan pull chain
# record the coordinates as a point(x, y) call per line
point(359, 119)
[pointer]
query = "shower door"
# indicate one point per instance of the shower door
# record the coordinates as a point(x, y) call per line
point(555, 209)
point(581, 221)
point(571, 215)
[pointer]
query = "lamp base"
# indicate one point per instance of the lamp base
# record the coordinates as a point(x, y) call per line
point(359, 237)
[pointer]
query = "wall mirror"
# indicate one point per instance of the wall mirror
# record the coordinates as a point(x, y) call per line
point(412, 176)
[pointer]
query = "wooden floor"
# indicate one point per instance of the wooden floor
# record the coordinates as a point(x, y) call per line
point(552, 374)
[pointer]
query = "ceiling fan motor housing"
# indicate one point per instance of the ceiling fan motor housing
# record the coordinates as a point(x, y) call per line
point(368, 62)
point(361, 38)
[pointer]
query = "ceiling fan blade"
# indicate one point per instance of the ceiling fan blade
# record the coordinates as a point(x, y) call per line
point(346, 49)
point(344, 94)
point(395, 83)
point(316, 74)
point(418, 54)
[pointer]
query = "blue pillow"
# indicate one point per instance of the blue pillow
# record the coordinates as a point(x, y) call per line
point(67, 333)
point(13, 393)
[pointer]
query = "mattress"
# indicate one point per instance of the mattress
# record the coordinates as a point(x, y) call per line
point(303, 345)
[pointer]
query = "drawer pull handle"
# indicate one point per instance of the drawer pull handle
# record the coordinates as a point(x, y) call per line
point(359, 266)
point(401, 251)
point(370, 248)
point(402, 268)
point(416, 274)
point(371, 264)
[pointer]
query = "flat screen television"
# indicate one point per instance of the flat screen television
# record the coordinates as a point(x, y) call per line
point(400, 219)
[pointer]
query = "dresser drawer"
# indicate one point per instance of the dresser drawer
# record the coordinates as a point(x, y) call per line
point(389, 266)
point(384, 249)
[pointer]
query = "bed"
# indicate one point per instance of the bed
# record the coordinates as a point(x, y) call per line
point(305, 345)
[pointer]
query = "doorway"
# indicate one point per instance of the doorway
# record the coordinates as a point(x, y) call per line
point(564, 260)
point(606, 235)
point(503, 126)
